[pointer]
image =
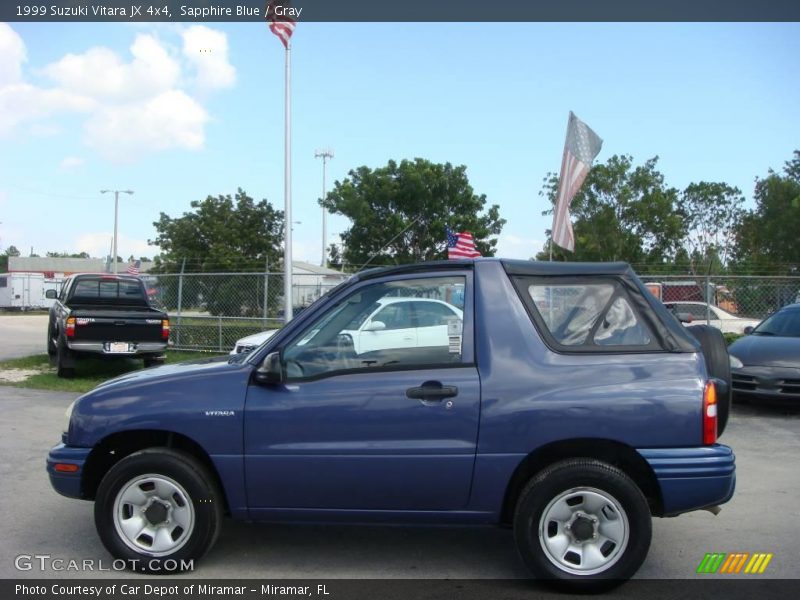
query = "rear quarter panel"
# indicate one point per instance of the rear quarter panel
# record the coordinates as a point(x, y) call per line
point(532, 396)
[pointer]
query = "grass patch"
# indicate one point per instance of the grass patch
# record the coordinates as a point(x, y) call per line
point(731, 337)
point(89, 372)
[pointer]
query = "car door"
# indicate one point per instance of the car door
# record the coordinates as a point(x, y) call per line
point(433, 320)
point(391, 326)
point(393, 429)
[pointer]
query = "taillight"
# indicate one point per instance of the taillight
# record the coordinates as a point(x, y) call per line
point(710, 413)
point(165, 329)
point(70, 331)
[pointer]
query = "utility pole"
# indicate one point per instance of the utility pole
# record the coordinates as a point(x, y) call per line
point(325, 154)
point(116, 220)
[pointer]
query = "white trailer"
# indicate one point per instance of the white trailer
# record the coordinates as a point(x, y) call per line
point(23, 291)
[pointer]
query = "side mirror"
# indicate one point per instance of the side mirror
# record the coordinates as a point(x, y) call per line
point(50, 294)
point(684, 317)
point(748, 330)
point(375, 326)
point(271, 370)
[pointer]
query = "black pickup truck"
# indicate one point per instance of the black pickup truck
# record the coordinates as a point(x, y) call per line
point(104, 315)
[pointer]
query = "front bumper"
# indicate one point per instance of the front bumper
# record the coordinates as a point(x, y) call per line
point(773, 384)
point(693, 478)
point(67, 483)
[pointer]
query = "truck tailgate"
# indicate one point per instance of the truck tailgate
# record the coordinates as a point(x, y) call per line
point(119, 326)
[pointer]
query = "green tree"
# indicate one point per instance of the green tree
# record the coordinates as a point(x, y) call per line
point(334, 255)
point(400, 212)
point(12, 251)
point(622, 212)
point(221, 234)
point(67, 255)
point(711, 213)
point(766, 238)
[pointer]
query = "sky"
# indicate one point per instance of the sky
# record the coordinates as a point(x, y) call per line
point(177, 112)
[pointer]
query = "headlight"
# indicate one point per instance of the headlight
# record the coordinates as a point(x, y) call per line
point(68, 416)
point(736, 363)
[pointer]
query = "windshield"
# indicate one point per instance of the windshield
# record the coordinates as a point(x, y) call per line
point(785, 323)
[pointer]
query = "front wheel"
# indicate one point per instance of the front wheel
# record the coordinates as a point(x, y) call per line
point(583, 525)
point(158, 510)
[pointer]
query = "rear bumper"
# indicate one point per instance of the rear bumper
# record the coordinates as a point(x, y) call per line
point(103, 348)
point(67, 484)
point(693, 478)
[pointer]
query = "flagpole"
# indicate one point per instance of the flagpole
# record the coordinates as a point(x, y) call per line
point(287, 192)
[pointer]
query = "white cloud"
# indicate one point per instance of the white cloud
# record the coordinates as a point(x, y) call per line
point(99, 73)
point(131, 107)
point(71, 162)
point(122, 133)
point(21, 102)
point(12, 55)
point(207, 50)
point(99, 245)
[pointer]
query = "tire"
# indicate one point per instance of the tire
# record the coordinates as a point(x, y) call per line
point(718, 365)
point(156, 361)
point(184, 504)
point(51, 347)
point(563, 507)
point(65, 360)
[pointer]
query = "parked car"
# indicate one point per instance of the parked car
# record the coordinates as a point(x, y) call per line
point(251, 342)
point(766, 362)
point(722, 320)
point(564, 401)
point(104, 315)
point(394, 323)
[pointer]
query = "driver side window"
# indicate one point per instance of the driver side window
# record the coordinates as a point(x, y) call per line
point(379, 326)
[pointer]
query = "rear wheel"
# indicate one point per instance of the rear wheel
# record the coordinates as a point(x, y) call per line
point(65, 360)
point(51, 346)
point(158, 509)
point(718, 365)
point(583, 525)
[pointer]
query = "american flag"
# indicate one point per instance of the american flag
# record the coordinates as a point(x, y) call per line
point(461, 245)
point(581, 147)
point(133, 267)
point(281, 25)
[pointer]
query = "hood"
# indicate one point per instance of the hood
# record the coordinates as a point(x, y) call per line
point(257, 338)
point(767, 351)
point(171, 371)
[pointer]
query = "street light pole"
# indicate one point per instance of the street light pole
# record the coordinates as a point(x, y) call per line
point(116, 221)
point(325, 155)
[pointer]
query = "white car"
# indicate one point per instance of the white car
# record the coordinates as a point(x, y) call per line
point(246, 344)
point(393, 323)
point(722, 320)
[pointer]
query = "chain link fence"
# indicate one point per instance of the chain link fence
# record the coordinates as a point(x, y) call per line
point(210, 311)
point(730, 302)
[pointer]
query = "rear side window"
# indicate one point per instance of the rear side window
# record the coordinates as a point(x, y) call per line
point(570, 311)
point(587, 315)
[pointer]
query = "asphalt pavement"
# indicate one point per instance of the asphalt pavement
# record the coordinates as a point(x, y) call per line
point(22, 335)
point(762, 517)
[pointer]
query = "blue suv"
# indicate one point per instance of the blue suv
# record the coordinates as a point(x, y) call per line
point(560, 399)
